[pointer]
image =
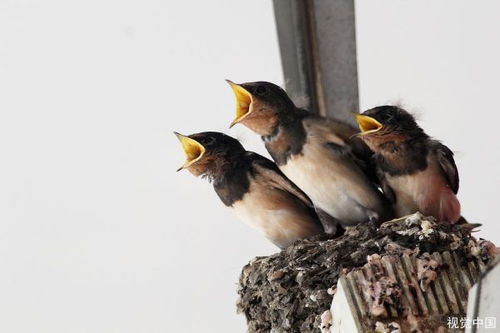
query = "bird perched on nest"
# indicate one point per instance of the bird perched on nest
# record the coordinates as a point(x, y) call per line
point(416, 172)
point(252, 186)
point(314, 152)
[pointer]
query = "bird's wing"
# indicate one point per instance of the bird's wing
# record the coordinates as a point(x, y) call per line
point(341, 140)
point(331, 130)
point(447, 163)
point(276, 178)
point(334, 135)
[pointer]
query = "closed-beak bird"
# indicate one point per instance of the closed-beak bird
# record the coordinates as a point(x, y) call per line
point(416, 172)
point(252, 186)
point(314, 152)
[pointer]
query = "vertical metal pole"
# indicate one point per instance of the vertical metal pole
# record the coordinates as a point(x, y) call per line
point(318, 52)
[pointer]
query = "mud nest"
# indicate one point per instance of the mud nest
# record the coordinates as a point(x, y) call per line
point(288, 291)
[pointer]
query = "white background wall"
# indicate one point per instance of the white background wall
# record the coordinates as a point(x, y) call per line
point(97, 231)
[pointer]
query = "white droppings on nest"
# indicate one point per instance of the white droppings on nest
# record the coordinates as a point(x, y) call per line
point(299, 277)
point(382, 290)
point(426, 271)
point(474, 249)
point(394, 327)
point(456, 242)
point(387, 328)
point(381, 327)
point(326, 321)
point(426, 225)
point(414, 219)
point(483, 248)
point(488, 249)
point(427, 228)
point(374, 258)
point(393, 248)
point(375, 262)
point(409, 232)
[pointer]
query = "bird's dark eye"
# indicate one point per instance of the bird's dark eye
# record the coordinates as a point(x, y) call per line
point(261, 90)
point(208, 141)
point(386, 117)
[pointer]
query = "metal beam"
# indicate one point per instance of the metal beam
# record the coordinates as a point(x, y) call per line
point(318, 52)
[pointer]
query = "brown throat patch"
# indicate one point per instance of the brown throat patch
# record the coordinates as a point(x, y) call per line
point(388, 145)
point(198, 168)
point(396, 153)
point(261, 120)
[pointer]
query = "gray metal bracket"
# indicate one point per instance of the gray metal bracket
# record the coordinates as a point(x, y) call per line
point(318, 52)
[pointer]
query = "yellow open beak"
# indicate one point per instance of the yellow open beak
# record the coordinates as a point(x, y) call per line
point(367, 124)
point(192, 148)
point(243, 102)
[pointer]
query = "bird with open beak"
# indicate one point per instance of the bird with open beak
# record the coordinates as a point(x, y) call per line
point(314, 152)
point(416, 172)
point(252, 186)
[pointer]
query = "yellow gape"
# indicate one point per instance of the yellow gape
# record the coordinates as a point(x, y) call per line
point(243, 102)
point(192, 148)
point(367, 124)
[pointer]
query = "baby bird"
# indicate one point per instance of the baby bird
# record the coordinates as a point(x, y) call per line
point(252, 186)
point(416, 172)
point(314, 152)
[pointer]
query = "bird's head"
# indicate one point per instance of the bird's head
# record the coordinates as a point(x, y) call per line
point(387, 121)
point(208, 153)
point(259, 105)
